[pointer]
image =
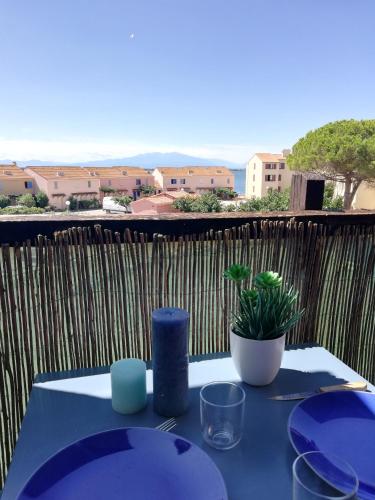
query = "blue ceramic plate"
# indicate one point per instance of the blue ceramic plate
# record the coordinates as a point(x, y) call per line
point(131, 464)
point(341, 423)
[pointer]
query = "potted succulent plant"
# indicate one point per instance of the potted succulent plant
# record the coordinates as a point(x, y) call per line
point(267, 311)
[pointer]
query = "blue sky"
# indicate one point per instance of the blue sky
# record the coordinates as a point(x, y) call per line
point(207, 77)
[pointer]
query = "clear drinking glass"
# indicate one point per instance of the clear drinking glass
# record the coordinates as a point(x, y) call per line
point(318, 475)
point(222, 414)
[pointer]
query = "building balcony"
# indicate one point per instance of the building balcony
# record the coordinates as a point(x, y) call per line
point(78, 291)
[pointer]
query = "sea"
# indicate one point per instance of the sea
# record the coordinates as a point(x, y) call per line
point(239, 180)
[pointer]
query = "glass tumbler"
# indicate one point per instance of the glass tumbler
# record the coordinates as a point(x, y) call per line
point(318, 475)
point(222, 406)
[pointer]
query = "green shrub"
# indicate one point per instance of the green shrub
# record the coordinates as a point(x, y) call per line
point(107, 189)
point(41, 199)
point(274, 201)
point(224, 193)
point(330, 201)
point(27, 200)
point(185, 204)
point(87, 204)
point(73, 203)
point(4, 201)
point(255, 205)
point(208, 202)
point(124, 201)
point(147, 190)
point(21, 210)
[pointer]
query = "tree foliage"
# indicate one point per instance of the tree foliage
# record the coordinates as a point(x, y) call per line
point(107, 189)
point(41, 199)
point(26, 200)
point(224, 193)
point(147, 190)
point(274, 201)
point(73, 203)
point(89, 204)
point(124, 201)
point(342, 151)
point(185, 204)
point(4, 201)
point(207, 202)
point(330, 200)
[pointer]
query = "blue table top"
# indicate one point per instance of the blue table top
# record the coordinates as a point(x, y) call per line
point(54, 419)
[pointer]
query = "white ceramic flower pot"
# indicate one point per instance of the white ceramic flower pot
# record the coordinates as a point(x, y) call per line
point(257, 361)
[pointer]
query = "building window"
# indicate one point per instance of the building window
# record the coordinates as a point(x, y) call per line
point(228, 181)
point(109, 183)
point(55, 184)
point(138, 182)
point(173, 181)
point(182, 181)
point(89, 184)
point(253, 189)
point(28, 184)
point(279, 177)
point(268, 166)
point(212, 181)
point(255, 166)
point(279, 188)
point(282, 166)
point(270, 178)
point(274, 166)
point(254, 177)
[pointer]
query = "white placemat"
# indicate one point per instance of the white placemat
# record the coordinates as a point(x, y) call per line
point(311, 359)
point(200, 373)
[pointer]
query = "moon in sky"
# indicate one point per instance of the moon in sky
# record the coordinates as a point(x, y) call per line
point(131, 36)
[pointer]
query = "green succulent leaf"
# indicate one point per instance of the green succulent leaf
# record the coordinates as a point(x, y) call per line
point(237, 273)
point(268, 280)
point(250, 295)
point(268, 314)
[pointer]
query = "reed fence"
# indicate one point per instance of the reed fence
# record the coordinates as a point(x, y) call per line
point(84, 298)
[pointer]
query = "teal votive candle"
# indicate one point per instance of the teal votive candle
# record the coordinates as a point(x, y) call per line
point(128, 381)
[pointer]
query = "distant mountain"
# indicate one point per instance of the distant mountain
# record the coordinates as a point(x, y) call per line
point(147, 160)
point(37, 163)
point(152, 160)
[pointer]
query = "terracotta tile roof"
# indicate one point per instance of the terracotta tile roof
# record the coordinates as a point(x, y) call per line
point(159, 199)
point(177, 194)
point(186, 171)
point(270, 157)
point(163, 198)
point(61, 172)
point(106, 172)
point(13, 172)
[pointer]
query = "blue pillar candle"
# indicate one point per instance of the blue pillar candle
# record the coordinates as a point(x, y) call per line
point(128, 381)
point(170, 361)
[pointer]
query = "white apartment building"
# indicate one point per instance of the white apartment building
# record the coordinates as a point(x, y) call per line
point(265, 171)
point(193, 179)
